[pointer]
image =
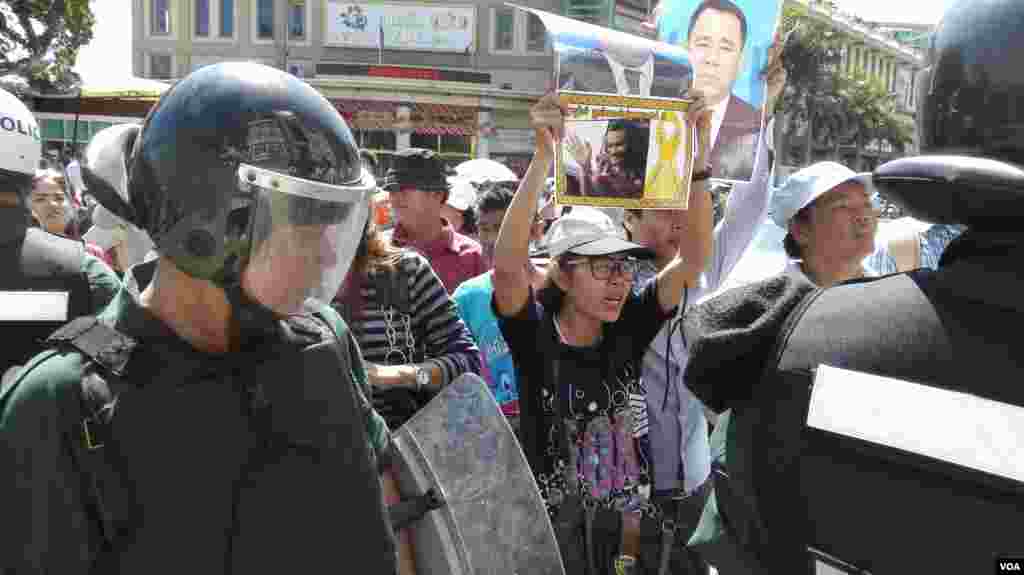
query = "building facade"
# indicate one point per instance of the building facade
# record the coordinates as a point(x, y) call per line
point(456, 77)
point(877, 51)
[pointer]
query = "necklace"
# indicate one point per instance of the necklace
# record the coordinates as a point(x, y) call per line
point(561, 336)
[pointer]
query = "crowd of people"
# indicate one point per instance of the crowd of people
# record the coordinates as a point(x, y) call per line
point(216, 294)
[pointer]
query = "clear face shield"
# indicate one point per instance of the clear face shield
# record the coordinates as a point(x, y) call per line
point(301, 235)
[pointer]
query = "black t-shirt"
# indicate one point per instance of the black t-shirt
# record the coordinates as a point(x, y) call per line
point(601, 382)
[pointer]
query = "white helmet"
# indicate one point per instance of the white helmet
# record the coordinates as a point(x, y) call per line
point(20, 148)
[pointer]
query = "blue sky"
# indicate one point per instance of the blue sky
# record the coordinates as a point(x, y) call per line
point(902, 11)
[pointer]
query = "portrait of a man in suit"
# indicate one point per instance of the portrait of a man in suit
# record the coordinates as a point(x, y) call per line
point(624, 70)
point(716, 37)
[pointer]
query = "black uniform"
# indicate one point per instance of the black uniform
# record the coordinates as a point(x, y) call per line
point(33, 260)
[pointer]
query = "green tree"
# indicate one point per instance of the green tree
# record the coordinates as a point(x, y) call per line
point(872, 115)
point(40, 39)
point(811, 54)
point(832, 107)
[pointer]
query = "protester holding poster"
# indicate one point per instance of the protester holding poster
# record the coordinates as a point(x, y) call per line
point(626, 99)
point(727, 42)
point(577, 344)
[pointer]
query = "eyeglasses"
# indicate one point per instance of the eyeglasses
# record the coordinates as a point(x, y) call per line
point(603, 268)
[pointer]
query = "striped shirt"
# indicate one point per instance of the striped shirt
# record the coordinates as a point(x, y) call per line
point(430, 333)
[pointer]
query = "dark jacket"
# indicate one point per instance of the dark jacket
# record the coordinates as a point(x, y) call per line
point(260, 460)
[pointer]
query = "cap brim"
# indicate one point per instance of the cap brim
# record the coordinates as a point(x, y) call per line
point(863, 178)
point(604, 246)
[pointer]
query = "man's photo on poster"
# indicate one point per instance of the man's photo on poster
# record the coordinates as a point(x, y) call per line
point(631, 157)
point(727, 42)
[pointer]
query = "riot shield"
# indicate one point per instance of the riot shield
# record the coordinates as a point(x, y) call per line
point(492, 519)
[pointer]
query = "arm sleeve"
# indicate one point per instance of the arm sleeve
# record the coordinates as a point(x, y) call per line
point(521, 332)
point(376, 428)
point(644, 315)
point(447, 341)
point(746, 208)
point(47, 527)
point(103, 282)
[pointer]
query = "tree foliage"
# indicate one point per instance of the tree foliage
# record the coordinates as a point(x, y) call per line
point(833, 107)
point(40, 39)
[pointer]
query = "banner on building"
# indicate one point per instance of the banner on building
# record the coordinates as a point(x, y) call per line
point(432, 28)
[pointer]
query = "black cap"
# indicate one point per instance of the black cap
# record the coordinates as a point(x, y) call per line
point(419, 168)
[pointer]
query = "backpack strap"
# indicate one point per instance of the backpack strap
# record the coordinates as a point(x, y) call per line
point(94, 405)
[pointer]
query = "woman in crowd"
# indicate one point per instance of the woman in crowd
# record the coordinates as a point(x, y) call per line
point(577, 345)
point(407, 327)
point(51, 211)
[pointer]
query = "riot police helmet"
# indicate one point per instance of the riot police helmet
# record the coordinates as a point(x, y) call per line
point(20, 150)
point(970, 122)
point(244, 175)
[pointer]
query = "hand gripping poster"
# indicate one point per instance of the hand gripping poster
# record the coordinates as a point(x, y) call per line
point(627, 140)
point(727, 43)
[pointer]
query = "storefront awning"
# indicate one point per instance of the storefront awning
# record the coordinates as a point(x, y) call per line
point(421, 118)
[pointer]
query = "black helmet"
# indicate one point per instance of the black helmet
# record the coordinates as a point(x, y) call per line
point(970, 122)
point(973, 87)
point(236, 155)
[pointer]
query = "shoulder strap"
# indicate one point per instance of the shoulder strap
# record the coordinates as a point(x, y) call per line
point(93, 407)
point(99, 342)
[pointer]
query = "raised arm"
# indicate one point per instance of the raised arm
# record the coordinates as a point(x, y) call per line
point(695, 244)
point(512, 250)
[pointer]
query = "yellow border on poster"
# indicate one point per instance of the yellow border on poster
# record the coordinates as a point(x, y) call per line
point(581, 106)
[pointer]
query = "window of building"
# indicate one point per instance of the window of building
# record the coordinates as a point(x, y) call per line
point(536, 35)
point(265, 19)
point(160, 66)
point(504, 30)
point(160, 18)
point(227, 18)
point(297, 21)
point(202, 15)
point(518, 32)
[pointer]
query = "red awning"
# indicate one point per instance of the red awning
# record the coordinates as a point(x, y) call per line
point(435, 119)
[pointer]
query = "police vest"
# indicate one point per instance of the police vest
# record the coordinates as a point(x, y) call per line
point(41, 288)
point(255, 462)
point(882, 436)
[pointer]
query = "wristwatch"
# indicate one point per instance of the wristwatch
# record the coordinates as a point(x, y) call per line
point(422, 377)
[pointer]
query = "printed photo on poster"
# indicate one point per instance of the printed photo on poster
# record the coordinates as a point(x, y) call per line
point(634, 153)
point(628, 143)
point(727, 42)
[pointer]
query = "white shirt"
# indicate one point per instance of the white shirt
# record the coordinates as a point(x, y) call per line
point(646, 76)
point(717, 117)
point(683, 420)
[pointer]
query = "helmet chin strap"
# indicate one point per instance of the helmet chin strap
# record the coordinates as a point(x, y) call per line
point(251, 321)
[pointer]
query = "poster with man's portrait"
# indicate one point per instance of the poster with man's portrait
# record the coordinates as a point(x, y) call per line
point(727, 42)
point(628, 142)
